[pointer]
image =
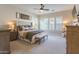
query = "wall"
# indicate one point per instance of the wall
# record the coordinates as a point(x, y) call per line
point(67, 15)
point(8, 13)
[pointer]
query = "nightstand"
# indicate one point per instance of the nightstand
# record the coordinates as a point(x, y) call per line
point(13, 35)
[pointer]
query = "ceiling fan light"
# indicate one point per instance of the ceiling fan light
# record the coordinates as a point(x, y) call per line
point(41, 11)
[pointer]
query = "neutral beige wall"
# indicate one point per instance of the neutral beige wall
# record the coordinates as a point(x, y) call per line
point(67, 15)
point(8, 13)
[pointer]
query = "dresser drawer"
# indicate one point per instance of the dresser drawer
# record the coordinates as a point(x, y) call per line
point(4, 42)
point(72, 39)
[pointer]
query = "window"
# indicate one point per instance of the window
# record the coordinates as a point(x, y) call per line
point(51, 24)
point(44, 24)
point(58, 23)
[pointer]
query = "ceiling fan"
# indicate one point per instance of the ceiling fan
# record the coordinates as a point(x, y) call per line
point(42, 8)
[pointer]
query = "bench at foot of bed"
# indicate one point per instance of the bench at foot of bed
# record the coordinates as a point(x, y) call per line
point(40, 38)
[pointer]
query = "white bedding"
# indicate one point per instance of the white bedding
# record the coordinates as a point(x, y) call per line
point(22, 35)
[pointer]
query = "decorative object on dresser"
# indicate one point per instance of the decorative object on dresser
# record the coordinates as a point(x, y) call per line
point(13, 30)
point(4, 41)
point(12, 25)
point(72, 38)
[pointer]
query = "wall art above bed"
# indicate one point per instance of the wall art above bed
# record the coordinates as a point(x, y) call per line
point(22, 16)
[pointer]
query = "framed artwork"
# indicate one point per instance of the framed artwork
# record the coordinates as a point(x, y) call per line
point(22, 16)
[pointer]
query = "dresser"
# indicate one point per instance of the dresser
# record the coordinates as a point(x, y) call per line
point(4, 41)
point(72, 39)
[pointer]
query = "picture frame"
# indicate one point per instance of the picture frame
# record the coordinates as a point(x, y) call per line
point(22, 16)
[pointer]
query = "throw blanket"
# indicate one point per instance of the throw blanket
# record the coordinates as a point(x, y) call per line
point(31, 34)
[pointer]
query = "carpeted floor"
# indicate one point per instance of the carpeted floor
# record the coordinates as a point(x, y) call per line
point(55, 44)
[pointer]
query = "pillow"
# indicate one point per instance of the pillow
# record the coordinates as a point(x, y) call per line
point(25, 28)
point(20, 28)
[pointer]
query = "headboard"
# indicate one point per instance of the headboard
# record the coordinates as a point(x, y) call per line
point(24, 22)
point(21, 25)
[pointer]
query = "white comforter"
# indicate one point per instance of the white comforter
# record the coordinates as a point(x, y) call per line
point(22, 35)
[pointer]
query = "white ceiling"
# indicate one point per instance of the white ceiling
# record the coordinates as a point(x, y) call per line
point(56, 7)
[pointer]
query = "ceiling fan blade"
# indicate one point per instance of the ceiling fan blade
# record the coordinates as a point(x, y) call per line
point(36, 8)
point(42, 8)
point(46, 9)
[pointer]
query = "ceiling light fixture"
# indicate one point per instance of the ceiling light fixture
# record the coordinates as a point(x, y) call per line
point(41, 11)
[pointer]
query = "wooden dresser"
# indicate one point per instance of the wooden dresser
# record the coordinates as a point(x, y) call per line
point(72, 39)
point(4, 41)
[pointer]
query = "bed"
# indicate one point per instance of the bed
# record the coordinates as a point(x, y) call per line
point(31, 35)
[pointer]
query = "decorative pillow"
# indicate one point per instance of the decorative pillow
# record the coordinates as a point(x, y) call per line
point(20, 28)
point(25, 28)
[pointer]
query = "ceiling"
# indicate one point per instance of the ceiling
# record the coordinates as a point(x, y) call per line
point(53, 7)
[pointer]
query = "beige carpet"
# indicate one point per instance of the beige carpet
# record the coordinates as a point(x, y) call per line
point(55, 44)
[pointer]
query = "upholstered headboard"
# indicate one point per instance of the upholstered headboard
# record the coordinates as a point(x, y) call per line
point(24, 24)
